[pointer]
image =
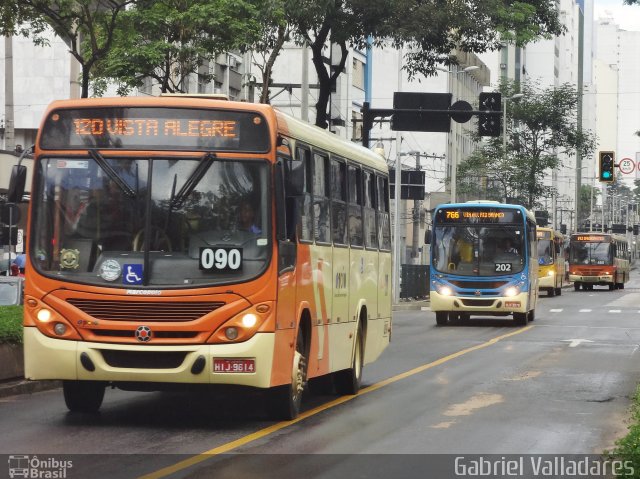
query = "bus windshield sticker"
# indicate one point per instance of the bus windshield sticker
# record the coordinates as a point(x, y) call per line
point(221, 259)
point(503, 267)
point(144, 128)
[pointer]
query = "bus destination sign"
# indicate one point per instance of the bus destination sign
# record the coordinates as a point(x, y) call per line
point(139, 128)
point(478, 215)
point(590, 238)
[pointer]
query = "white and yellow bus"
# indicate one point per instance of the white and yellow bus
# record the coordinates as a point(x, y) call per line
point(551, 260)
point(142, 274)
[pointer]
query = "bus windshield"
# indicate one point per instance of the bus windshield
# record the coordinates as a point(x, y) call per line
point(590, 253)
point(203, 220)
point(478, 250)
point(545, 251)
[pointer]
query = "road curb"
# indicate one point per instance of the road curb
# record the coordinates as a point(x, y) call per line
point(16, 387)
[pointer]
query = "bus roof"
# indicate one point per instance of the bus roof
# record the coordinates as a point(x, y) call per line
point(300, 130)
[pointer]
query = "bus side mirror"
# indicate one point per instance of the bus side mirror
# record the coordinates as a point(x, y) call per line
point(427, 237)
point(17, 183)
point(281, 205)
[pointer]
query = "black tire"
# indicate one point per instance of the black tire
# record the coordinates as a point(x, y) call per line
point(576, 286)
point(558, 291)
point(532, 315)
point(83, 396)
point(612, 287)
point(347, 382)
point(441, 318)
point(551, 292)
point(520, 318)
point(284, 401)
point(620, 285)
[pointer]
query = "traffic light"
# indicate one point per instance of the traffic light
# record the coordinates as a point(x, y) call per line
point(606, 166)
point(489, 125)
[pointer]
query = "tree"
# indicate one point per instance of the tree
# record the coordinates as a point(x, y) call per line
point(546, 128)
point(168, 40)
point(87, 26)
point(431, 31)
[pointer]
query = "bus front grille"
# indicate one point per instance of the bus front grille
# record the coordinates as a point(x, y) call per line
point(143, 359)
point(478, 284)
point(477, 302)
point(118, 333)
point(144, 311)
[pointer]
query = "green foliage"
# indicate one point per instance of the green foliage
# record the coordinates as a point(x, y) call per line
point(94, 21)
point(168, 40)
point(628, 448)
point(546, 126)
point(11, 324)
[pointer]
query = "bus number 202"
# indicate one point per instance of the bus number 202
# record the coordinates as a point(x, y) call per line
point(503, 267)
point(221, 259)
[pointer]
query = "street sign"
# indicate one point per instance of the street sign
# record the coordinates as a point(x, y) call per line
point(626, 166)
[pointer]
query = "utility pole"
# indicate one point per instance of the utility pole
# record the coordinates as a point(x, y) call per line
point(417, 204)
point(9, 125)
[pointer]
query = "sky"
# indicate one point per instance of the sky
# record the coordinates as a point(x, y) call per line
point(626, 16)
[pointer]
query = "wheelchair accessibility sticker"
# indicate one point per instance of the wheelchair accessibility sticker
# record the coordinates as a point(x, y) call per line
point(132, 274)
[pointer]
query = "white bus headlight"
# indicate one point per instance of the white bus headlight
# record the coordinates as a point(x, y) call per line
point(551, 273)
point(511, 291)
point(445, 290)
point(44, 315)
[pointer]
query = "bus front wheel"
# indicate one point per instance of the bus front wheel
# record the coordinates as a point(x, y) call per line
point(83, 396)
point(284, 401)
point(520, 318)
point(441, 318)
point(576, 286)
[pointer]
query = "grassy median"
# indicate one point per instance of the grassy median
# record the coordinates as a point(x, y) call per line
point(11, 324)
point(628, 447)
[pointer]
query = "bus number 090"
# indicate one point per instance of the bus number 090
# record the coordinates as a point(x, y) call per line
point(220, 259)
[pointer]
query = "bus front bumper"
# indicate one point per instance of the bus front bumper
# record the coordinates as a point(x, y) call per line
point(51, 358)
point(479, 304)
point(547, 281)
point(602, 279)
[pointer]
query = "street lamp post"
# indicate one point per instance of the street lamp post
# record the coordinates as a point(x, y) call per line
point(453, 157)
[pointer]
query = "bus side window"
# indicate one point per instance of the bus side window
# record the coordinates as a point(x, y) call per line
point(304, 200)
point(384, 227)
point(355, 205)
point(339, 201)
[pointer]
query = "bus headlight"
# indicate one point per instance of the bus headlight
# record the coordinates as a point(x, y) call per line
point(249, 320)
point(44, 315)
point(445, 290)
point(511, 291)
point(60, 329)
point(551, 273)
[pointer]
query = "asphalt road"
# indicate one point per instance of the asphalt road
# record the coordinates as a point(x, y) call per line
point(562, 385)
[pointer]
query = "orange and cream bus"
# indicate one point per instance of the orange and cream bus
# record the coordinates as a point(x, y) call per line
point(551, 268)
point(192, 240)
point(598, 259)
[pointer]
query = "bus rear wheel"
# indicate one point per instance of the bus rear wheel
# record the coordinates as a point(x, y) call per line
point(284, 401)
point(83, 396)
point(349, 380)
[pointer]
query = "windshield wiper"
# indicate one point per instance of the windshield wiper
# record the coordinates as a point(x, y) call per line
point(193, 180)
point(113, 174)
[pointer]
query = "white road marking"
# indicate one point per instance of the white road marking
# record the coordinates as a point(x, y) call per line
point(576, 342)
point(556, 310)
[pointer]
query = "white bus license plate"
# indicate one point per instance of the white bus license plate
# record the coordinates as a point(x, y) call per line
point(234, 365)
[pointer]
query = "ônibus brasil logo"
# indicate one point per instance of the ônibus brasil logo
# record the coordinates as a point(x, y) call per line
point(38, 468)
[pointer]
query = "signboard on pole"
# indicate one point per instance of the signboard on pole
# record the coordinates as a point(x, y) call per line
point(626, 166)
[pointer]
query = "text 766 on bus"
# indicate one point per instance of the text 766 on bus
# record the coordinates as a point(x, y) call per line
point(182, 240)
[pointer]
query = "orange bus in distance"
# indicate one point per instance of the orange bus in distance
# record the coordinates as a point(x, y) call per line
point(196, 241)
point(598, 259)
